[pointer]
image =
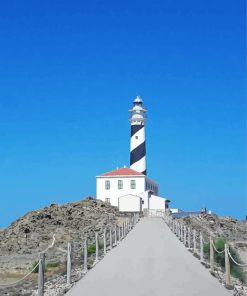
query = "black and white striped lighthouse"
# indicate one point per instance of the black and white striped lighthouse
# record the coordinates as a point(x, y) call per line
point(137, 142)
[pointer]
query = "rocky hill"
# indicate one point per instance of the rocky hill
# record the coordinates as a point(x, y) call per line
point(234, 231)
point(22, 241)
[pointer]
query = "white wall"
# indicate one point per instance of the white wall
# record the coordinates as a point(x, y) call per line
point(113, 193)
point(144, 196)
point(130, 203)
point(157, 203)
point(154, 202)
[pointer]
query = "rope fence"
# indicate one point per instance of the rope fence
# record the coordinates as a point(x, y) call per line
point(96, 250)
point(22, 279)
point(195, 242)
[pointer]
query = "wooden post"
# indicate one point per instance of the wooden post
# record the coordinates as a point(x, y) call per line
point(85, 255)
point(104, 238)
point(227, 268)
point(119, 233)
point(211, 255)
point(194, 241)
point(189, 238)
point(97, 248)
point(115, 235)
point(41, 281)
point(181, 232)
point(185, 234)
point(69, 264)
point(110, 238)
point(201, 247)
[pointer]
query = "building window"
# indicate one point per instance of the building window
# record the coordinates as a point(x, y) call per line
point(120, 184)
point(133, 184)
point(107, 185)
point(108, 200)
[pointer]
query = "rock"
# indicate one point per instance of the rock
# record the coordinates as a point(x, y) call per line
point(24, 239)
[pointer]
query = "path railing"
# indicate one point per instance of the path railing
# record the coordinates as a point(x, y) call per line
point(195, 241)
point(98, 248)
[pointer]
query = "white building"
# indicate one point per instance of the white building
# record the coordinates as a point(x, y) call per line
point(122, 182)
point(130, 191)
point(130, 203)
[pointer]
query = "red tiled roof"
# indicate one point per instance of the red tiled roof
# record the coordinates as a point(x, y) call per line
point(122, 172)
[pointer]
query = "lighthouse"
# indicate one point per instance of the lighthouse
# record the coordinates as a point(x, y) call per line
point(137, 141)
point(129, 188)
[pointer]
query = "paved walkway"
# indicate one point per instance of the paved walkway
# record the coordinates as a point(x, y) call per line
point(150, 261)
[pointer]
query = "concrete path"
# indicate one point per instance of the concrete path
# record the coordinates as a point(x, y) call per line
point(150, 261)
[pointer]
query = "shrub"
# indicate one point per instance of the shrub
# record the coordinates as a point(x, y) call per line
point(91, 249)
point(52, 264)
point(36, 270)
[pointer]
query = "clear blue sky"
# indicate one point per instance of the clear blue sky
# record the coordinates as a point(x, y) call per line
point(69, 71)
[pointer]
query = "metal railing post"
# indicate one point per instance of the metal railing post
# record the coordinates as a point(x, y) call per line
point(41, 281)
